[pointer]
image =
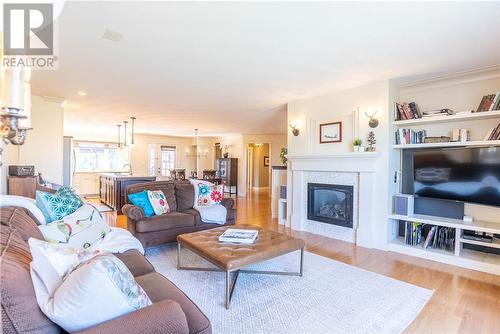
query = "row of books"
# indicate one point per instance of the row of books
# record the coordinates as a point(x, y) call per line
point(404, 111)
point(429, 236)
point(410, 136)
point(489, 102)
point(494, 134)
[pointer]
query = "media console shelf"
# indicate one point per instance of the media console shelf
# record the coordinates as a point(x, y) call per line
point(462, 257)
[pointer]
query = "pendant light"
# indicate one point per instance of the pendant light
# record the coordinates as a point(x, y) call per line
point(119, 126)
point(132, 128)
point(125, 133)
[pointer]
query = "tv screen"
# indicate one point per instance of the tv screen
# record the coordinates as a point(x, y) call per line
point(462, 174)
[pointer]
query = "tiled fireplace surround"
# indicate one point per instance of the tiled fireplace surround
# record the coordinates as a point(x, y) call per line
point(354, 169)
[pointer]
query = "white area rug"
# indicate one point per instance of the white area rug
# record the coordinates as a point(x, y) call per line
point(331, 297)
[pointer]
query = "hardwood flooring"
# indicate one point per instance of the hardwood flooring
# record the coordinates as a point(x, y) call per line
point(464, 301)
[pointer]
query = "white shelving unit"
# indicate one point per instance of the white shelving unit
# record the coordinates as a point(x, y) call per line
point(449, 144)
point(436, 93)
point(461, 116)
point(459, 256)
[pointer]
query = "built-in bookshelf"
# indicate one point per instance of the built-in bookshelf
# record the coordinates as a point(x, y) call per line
point(450, 144)
point(462, 93)
point(459, 116)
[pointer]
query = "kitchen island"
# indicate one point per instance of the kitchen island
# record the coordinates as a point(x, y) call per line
point(113, 188)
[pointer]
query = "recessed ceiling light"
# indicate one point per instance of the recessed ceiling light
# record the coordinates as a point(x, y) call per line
point(82, 93)
point(111, 35)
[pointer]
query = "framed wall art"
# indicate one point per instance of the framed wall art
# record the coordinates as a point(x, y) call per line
point(330, 133)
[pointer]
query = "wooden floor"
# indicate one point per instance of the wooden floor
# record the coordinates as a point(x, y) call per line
point(464, 301)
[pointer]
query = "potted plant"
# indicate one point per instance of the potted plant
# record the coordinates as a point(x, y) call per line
point(357, 145)
point(283, 154)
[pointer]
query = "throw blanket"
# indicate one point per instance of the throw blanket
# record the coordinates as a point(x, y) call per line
point(118, 240)
point(213, 214)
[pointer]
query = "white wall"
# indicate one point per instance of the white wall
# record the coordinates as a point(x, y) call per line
point(343, 106)
point(10, 156)
point(44, 144)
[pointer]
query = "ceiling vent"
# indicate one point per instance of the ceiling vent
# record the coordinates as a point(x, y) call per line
point(112, 35)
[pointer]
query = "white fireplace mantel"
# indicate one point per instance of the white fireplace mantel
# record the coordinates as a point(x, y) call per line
point(360, 166)
point(363, 162)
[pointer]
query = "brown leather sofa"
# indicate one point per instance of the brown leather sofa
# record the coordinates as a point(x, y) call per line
point(171, 312)
point(162, 229)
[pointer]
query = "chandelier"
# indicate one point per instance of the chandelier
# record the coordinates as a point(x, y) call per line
point(196, 148)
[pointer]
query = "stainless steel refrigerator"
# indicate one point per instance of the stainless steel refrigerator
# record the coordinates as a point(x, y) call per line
point(69, 161)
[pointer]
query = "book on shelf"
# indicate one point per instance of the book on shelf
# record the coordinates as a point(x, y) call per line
point(489, 102)
point(405, 111)
point(494, 134)
point(240, 236)
point(429, 236)
point(410, 136)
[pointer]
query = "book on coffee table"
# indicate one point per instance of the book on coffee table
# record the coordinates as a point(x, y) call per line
point(239, 236)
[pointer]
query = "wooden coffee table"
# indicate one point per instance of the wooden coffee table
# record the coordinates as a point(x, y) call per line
point(231, 257)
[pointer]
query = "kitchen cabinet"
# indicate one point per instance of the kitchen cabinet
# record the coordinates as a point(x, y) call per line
point(113, 188)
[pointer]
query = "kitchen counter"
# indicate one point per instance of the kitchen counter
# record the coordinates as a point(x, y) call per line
point(113, 188)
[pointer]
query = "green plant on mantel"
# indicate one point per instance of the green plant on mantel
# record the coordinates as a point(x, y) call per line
point(357, 142)
point(283, 154)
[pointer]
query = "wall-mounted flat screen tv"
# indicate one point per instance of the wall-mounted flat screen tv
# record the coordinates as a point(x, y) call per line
point(462, 174)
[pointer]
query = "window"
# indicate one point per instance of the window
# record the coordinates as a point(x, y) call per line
point(167, 159)
point(98, 157)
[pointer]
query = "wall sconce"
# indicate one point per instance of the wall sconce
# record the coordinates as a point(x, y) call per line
point(373, 122)
point(15, 115)
point(293, 126)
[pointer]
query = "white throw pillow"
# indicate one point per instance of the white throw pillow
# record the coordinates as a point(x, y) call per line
point(24, 202)
point(80, 229)
point(98, 290)
point(158, 201)
point(53, 262)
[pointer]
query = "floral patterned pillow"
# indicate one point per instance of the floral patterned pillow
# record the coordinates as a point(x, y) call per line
point(210, 194)
point(158, 202)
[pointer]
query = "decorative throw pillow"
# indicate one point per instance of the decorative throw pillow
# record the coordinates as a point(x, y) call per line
point(141, 199)
point(70, 192)
point(80, 229)
point(58, 205)
point(210, 194)
point(158, 201)
point(97, 290)
point(52, 262)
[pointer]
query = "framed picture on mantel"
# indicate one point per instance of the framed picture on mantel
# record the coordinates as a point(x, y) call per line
point(330, 133)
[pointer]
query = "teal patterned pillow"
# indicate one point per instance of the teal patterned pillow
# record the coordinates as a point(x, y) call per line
point(67, 191)
point(58, 205)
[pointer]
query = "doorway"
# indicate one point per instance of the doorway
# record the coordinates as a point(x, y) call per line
point(161, 160)
point(258, 168)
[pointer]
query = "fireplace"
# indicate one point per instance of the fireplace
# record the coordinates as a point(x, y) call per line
point(330, 203)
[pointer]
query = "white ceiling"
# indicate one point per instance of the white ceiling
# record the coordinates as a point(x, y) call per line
point(232, 67)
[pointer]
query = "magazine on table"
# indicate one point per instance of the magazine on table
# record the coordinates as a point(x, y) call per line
point(240, 236)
